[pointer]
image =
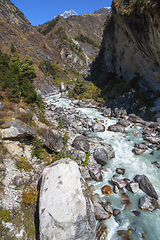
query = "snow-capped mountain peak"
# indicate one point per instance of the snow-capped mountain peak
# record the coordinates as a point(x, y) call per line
point(67, 14)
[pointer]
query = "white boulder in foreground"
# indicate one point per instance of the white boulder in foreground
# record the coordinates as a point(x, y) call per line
point(65, 209)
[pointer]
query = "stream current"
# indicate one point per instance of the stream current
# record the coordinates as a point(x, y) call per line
point(147, 224)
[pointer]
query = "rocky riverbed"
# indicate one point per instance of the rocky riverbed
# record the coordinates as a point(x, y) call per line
point(113, 179)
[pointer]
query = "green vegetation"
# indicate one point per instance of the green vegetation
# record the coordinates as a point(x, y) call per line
point(84, 89)
point(60, 123)
point(62, 34)
point(85, 163)
point(59, 75)
point(50, 26)
point(86, 39)
point(22, 163)
point(16, 78)
point(66, 137)
point(4, 215)
point(37, 147)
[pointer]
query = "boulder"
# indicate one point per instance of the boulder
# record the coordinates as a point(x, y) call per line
point(107, 112)
point(106, 190)
point(54, 140)
point(148, 204)
point(65, 209)
point(146, 186)
point(116, 128)
point(102, 232)
point(116, 212)
point(124, 235)
point(98, 127)
point(100, 213)
point(118, 182)
point(133, 187)
point(17, 130)
point(109, 149)
point(81, 143)
point(120, 171)
point(124, 122)
point(138, 151)
point(96, 174)
point(101, 155)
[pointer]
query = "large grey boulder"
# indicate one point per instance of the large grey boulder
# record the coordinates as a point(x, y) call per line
point(98, 127)
point(116, 128)
point(65, 209)
point(146, 186)
point(109, 149)
point(148, 204)
point(17, 130)
point(118, 182)
point(81, 143)
point(101, 155)
point(124, 122)
point(54, 140)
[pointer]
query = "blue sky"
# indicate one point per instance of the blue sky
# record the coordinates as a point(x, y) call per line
point(38, 12)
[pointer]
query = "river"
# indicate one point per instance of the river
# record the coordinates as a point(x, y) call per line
point(146, 223)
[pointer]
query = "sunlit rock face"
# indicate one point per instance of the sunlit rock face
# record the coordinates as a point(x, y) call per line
point(65, 209)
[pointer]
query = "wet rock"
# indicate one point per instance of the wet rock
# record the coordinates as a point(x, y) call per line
point(136, 213)
point(96, 198)
point(102, 232)
point(87, 123)
point(98, 127)
point(106, 112)
point(116, 189)
point(17, 130)
point(109, 149)
point(135, 132)
point(1, 105)
point(124, 122)
point(85, 173)
point(152, 139)
point(116, 212)
point(155, 163)
point(138, 151)
point(148, 204)
point(108, 209)
point(100, 213)
point(133, 187)
point(146, 186)
point(101, 155)
point(124, 235)
point(126, 201)
point(116, 128)
point(62, 213)
point(81, 143)
point(96, 174)
point(118, 113)
point(141, 145)
point(118, 182)
point(135, 119)
point(120, 171)
point(54, 140)
point(106, 190)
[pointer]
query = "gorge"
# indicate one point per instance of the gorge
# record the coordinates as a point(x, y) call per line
point(79, 151)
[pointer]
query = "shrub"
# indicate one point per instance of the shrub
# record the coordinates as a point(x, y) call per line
point(37, 147)
point(85, 163)
point(87, 39)
point(66, 137)
point(60, 124)
point(22, 163)
point(29, 196)
point(4, 215)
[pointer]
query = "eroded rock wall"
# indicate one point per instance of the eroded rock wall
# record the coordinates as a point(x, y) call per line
point(131, 45)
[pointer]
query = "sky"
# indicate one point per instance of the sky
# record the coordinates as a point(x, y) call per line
point(41, 11)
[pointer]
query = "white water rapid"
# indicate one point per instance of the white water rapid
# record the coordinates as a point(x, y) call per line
point(147, 223)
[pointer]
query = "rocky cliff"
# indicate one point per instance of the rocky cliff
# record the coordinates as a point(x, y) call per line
point(131, 43)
